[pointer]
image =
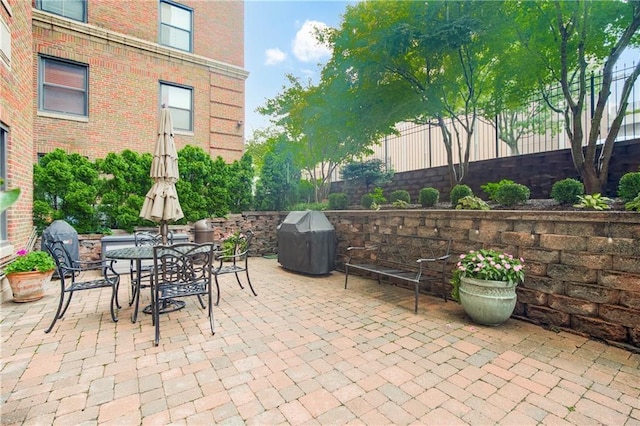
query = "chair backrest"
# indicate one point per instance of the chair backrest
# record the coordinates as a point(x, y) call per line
point(238, 244)
point(60, 255)
point(145, 238)
point(183, 264)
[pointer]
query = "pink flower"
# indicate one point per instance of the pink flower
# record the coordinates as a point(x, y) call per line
point(462, 256)
point(507, 266)
point(498, 266)
point(480, 257)
point(22, 252)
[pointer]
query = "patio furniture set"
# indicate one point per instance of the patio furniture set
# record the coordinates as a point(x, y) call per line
point(178, 271)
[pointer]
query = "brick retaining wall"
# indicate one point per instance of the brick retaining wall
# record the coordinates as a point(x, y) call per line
point(582, 268)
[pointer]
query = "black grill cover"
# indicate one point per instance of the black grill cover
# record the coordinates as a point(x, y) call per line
point(306, 243)
point(61, 230)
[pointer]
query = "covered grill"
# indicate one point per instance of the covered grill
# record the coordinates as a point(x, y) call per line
point(306, 243)
point(59, 230)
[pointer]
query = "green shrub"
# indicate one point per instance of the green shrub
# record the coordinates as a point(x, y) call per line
point(428, 197)
point(338, 201)
point(310, 206)
point(459, 191)
point(400, 195)
point(400, 204)
point(366, 201)
point(491, 188)
point(510, 194)
point(378, 197)
point(471, 202)
point(633, 204)
point(566, 191)
point(593, 202)
point(629, 186)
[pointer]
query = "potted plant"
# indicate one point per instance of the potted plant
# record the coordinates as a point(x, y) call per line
point(484, 282)
point(28, 274)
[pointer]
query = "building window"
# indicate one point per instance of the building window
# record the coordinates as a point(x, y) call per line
point(63, 87)
point(176, 25)
point(72, 9)
point(5, 43)
point(179, 100)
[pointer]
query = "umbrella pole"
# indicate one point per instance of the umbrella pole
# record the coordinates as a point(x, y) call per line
point(164, 231)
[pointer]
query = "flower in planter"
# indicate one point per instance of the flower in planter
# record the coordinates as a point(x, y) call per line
point(487, 264)
point(34, 261)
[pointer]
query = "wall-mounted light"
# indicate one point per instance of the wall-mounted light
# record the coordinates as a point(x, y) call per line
point(533, 231)
point(435, 228)
point(609, 238)
point(239, 124)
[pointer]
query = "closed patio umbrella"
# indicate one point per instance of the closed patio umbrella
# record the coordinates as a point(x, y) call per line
point(161, 203)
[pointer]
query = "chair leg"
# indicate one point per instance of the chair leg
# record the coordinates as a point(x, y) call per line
point(238, 280)
point(66, 305)
point(249, 281)
point(155, 311)
point(114, 300)
point(58, 312)
point(417, 285)
point(217, 289)
point(346, 276)
point(211, 319)
point(117, 289)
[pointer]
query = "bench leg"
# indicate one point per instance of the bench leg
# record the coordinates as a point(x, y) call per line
point(346, 276)
point(415, 309)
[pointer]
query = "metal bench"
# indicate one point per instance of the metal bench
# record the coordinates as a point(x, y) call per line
point(406, 258)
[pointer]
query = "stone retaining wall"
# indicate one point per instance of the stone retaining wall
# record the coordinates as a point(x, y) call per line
point(582, 268)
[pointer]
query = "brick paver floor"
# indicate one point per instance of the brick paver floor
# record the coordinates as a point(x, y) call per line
point(305, 351)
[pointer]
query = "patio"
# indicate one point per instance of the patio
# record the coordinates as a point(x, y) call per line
point(305, 351)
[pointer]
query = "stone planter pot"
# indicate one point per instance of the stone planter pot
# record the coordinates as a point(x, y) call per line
point(487, 302)
point(28, 286)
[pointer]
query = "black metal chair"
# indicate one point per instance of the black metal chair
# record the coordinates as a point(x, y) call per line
point(143, 238)
point(181, 270)
point(234, 259)
point(76, 275)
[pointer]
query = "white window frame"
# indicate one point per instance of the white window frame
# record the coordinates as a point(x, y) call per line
point(176, 109)
point(166, 25)
point(42, 5)
point(43, 86)
point(6, 248)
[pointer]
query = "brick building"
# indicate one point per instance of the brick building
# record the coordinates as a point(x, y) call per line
point(90, 76)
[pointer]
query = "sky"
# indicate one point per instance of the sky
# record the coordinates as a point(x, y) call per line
point(279, 41)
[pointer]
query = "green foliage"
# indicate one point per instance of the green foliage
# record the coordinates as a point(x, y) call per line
point(491, 188)
point(234, 244)
point(429, 197)
point(367, 174)
point(366, 201)
point(306, 191)
point(567, 191)
point(633, 204)
point(66, 187)
point(34, 261)
point(593, 202)
point(277, 186)
point(510, 194)
point(400, 204)
point(124, 182)
point(629, 186)
point(338, 201)
point(400, 195)
point(240, 184)
point(459, 191)
point(310, 206)
point(378, 196)
point(471, 202)
point(7, 198)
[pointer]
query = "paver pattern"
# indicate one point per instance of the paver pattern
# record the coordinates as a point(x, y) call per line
point(305, 351)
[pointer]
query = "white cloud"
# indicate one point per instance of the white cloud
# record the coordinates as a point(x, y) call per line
point(274, 56)
point(305, 46)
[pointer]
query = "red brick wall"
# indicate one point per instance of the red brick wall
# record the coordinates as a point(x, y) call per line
point(16, 93)
point(124, 78)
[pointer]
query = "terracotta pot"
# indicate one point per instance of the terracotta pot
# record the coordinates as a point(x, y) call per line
point(28, 286)
point(487, 302)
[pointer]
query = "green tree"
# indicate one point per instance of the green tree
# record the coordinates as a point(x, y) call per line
point(241, 184)
point(368, 174)
point(66, 187)
point(424, 61)
point(276, 188)
point(125, 182)
point(203, 185)
point(559, 41)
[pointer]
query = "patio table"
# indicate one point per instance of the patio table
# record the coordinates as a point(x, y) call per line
point(138, 254)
